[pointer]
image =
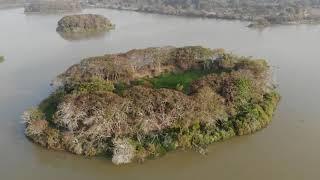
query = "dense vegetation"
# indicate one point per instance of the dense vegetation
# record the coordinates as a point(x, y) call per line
point(144, 103)
point(267, 11)
point(84, 23)
point(51, 6)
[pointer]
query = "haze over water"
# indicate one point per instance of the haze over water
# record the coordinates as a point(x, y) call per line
point(34, 53)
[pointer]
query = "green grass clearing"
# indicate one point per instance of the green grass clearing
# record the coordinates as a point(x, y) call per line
point(179, 81)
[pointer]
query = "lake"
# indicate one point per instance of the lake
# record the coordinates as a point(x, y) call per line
point(34, 53)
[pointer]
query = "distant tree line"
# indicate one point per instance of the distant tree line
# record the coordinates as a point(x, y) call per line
point(270, 11)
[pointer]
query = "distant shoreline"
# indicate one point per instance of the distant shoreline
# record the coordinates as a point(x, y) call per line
point(253, 23)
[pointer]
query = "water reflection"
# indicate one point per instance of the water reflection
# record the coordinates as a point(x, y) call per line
point(83, 36)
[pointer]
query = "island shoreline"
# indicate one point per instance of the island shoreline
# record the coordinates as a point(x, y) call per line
point(143, 103)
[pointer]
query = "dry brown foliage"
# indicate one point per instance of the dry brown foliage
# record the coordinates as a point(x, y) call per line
point(100, 120)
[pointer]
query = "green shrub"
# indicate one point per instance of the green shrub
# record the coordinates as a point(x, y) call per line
point(173, 80)
point(243, 91)
point(50, 104)
point(253, 117)
point(93, 85)
point(120, 87)
point(179, 87)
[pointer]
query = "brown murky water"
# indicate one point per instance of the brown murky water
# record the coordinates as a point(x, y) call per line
point(287, 150)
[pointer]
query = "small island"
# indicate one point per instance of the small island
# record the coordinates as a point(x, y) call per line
point(84, 23)
point(146, 102)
